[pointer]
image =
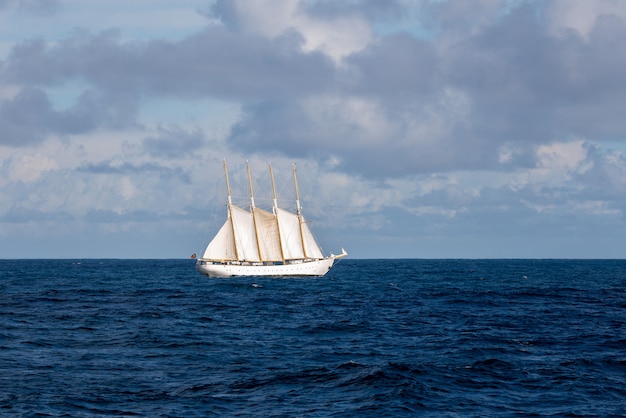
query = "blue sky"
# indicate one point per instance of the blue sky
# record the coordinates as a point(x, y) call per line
point(420, 129)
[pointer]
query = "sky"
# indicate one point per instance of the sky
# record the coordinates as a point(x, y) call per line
point(419, 128)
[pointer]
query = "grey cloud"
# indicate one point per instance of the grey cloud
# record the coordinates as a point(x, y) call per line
point(173, 141)
point(24, 215)
point(108, 167)
point(29, 117)
point(600, 179)
point(605, 178)
point(287, 128)
point(398, 69)
point(523, 87)
point(32, 6)
point(223, 64)
point(42, 7)
point(526, 85)
point(275, 125)
point(140, 216)
point(214, 62)
point(226, 12)
point(107, 216)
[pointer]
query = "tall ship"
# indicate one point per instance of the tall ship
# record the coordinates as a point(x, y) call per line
point(256, 242)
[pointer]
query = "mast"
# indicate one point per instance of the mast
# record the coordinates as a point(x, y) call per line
point(230, 210)
point(275, 210)
point(299, 210)
point(252, 206)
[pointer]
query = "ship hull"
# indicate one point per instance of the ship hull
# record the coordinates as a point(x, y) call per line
point(302, 268)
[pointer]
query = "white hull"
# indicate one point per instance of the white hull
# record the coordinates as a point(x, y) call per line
point(300, 268)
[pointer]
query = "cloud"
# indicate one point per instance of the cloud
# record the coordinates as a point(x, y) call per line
point(30, 117)
point(414, 103)
point(214, 62)
point(565, 16)
point(126, 168)
point(30, 168)
point(25, 215)
point(338, 34)
point(532, 86)
point(107, 216)
point(173, 141)
point(31, 6)
point(426, 121)
point(120, 75)
point(453, 105)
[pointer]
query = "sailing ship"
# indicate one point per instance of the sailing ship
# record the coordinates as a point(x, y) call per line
point(257, 242)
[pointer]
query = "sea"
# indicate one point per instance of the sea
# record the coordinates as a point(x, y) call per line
point(373, 338)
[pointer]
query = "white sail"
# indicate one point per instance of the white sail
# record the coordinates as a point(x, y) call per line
point(311, 247)
point(269, 238)
point(245, 237)
point(291, 240)
point(222, 247)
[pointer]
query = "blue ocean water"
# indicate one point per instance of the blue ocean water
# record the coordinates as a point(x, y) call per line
point(85, 338)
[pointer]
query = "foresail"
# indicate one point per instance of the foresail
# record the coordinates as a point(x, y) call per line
point(245, 236)
point(222, 247)
point(311, 246)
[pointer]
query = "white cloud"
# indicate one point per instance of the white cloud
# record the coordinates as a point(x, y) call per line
point(126, 188)
point(596, 207)
point(8, 92)
point(580, 15)
point(336, 36)
point(366, 118)
point(562, 156)
point(28, 168)
point(557, 163)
